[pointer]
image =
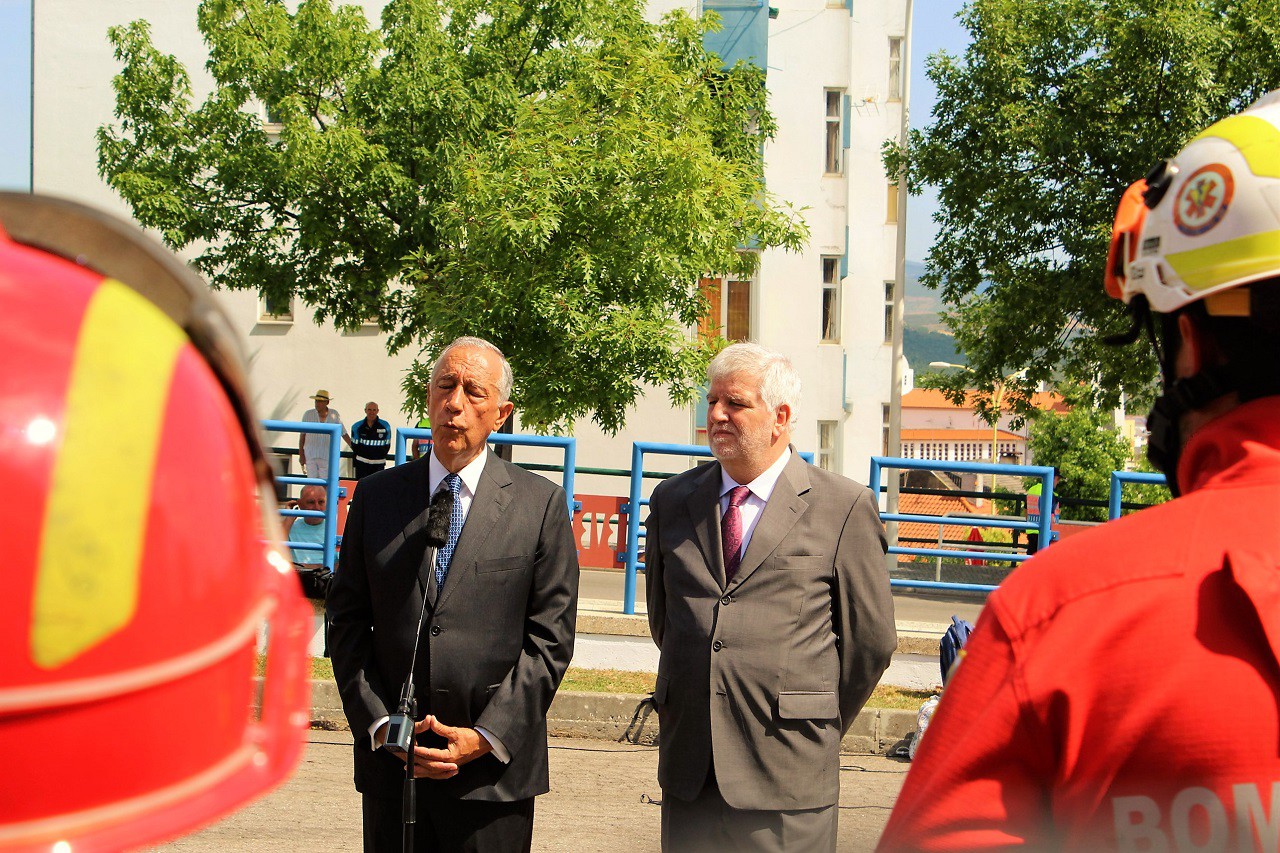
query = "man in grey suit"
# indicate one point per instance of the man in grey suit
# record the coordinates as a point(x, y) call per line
point(769, 601)
point(500, 605)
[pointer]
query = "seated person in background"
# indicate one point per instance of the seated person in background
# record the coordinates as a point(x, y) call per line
point(311, 530)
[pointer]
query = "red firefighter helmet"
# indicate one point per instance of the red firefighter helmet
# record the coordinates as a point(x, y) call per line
point(139, 546)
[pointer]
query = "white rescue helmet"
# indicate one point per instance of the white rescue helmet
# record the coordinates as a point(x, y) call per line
point(1207, 222)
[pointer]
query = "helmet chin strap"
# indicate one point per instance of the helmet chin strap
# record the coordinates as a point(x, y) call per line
point(1165, 442)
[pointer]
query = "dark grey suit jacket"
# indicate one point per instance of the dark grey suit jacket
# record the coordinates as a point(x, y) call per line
point(764, 675)
point(494, 646)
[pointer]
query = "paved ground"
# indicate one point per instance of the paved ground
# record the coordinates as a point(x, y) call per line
point(602, 801)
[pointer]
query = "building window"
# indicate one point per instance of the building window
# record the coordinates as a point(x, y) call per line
point(828, 438)
point(728, 309)
point(895, 69)
point(891, 203)
point(737, 322)
point(835, 121)
point(700, 416)
point(888, 312)
point(884, 429)
point(275, 309)
point(831, 300)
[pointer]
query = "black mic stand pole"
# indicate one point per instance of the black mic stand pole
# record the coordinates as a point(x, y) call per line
point(409, 710)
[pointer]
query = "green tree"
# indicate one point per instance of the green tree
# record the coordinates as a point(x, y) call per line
point(1144, 493)
point(1053, 110)
point(1085, 447)
point(554, 176)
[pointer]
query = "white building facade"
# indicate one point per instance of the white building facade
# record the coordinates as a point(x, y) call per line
point(836, 77)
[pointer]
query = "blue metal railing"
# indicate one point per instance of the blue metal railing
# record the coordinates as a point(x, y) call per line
point(1119, 478)
point(1043, 526)
point(330, 483)
point(568, 445)
point(635, 501)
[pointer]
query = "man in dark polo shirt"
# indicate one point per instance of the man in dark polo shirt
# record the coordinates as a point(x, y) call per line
point(372, 440)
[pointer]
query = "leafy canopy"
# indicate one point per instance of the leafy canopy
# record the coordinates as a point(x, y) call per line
point(1054, 109)
point(1085, 447)
point(554, 176)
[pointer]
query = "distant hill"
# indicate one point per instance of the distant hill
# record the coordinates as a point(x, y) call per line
point(921, 347)
point(924, 337)
point(921, 306)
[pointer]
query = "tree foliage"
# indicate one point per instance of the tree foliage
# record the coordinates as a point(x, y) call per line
point(1144, 493)
point(554, 176)
point(1053, 110)
point(1085, 447)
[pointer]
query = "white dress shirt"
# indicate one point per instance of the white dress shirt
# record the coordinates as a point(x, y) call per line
point(470, 483)
point(761, 487)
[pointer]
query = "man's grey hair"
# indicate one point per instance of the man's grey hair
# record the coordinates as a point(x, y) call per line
point(779, 381)
point(505, 380)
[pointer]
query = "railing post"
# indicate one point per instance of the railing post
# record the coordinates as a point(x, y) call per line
point(1119, 478)
point(1046, 507)
point(330, 482)
point(633, 529)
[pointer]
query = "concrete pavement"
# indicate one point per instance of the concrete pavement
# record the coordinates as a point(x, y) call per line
point(610, 639)
point(911, 609)
point(604, 799)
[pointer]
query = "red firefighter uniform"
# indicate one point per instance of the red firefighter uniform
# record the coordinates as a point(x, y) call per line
point(1121, 691)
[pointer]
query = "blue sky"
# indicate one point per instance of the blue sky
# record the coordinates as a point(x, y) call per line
point(15, 94)
point(935, 28)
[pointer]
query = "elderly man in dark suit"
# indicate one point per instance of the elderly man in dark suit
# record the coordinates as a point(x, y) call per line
point(769, 601)
point(501, 599)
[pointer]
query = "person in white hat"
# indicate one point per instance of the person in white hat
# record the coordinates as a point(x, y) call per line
point(313, 448)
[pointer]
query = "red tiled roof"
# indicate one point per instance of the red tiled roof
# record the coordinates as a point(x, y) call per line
point(930, 398)
point(909, 504)
point(958, 435)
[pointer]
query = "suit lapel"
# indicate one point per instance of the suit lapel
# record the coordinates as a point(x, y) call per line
point(703, 503)
point(780, 514)
point(487, 507)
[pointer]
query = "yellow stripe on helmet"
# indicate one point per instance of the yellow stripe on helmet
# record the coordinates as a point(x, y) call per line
point(1257, 139)
point(95, 522)
point(1238, 260)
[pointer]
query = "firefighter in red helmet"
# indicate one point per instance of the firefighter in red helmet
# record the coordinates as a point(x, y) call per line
point(1120, 690)
point(130, 620)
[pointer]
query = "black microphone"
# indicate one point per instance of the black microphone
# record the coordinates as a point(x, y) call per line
point(400, 727)
point(438, 518)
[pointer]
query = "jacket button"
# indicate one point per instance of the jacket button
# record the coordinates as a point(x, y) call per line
point(435, 630)
point(717, 646)
point(726, 599)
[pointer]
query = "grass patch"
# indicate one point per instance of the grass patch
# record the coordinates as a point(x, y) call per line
point(321, 668)
point(607, 681)
point(624, 681)
point(888, 696)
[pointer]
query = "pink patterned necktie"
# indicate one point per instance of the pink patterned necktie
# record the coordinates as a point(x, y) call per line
point(731, 531)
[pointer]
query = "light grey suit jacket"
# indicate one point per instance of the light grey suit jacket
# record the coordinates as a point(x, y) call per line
point(764, 675)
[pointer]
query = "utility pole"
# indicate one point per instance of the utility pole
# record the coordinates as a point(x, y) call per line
point(899, 299)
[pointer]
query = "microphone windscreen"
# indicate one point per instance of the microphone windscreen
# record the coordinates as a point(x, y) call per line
point(438, 518)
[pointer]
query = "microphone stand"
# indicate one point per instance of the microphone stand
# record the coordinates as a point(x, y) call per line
point(408, 710)
point(402, 723)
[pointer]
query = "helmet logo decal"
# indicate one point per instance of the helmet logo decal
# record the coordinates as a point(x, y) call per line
point(1203, 199)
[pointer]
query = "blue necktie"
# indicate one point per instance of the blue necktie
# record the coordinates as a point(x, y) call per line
point(445, 554)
